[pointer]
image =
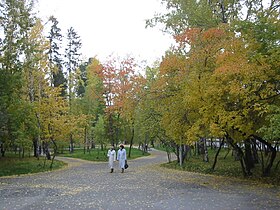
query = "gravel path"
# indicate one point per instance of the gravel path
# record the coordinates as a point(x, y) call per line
point(144, 185)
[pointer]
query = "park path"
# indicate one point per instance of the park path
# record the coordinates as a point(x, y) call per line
point(144, 185)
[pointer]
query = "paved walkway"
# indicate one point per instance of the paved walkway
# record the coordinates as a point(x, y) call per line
point(144, 185)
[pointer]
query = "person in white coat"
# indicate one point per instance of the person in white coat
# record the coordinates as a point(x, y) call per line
point(112, 157)
point(121, 157)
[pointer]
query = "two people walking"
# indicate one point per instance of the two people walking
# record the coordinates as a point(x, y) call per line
point(121, 157)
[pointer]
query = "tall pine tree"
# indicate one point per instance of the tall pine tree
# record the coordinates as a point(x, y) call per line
point(72, 61)
point(55, 57)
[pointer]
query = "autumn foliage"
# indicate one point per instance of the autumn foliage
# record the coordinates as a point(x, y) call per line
point(220, 81)
point(223, 89)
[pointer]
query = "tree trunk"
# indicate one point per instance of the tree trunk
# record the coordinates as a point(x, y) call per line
point(46, 150)
point(111, 129)
point(248, 158)
point(54, 152)
point(255, 151)
point(227, 153)
point(186, 149)
point(181, 155)
point(71, 146)
point(85, 140)
point(2, 150)
point(206, 157)
point(217, 153)
point(168, 155)
point(131, 140)
point(23, 152)
point(202, 149)
point(239, 153)
point(178, 153)
point(36, 147)
point(270, 148)
point(276, 167)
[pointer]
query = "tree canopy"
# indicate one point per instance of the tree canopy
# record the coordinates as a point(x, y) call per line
point(220, 81)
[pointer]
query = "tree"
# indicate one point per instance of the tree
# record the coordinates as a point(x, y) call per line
point(16, 23)
point(92, 102)
point(166, 93)
point(82, 83)
point(129, 89)
point(207, 14)
point(122, 87)
point(231, 89)
point(108, 75)
point(231, 67)
point(72, 56)
point(55, 59)
point(35, 74)
point(54, 120)
point(100, 133)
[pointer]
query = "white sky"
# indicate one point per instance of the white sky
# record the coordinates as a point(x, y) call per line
point(111, 26)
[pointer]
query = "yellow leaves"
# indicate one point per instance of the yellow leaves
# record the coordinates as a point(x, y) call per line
point(94, 69)
point(172, 72)
point(52, 112)
point(216, 130)
point(192, 134)
point(225, 86)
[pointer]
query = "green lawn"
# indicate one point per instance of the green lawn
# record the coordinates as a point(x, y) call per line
point(11, 165)
point(225, 167)
point(100, 155)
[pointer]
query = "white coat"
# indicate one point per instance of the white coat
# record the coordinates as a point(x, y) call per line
point(121, 157)
point(112, 157)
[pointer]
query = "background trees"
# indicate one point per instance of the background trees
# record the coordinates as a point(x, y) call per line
point(221, 81)
point(55, 57)
point(227, 80)
point(33, 113)
point(16, 23)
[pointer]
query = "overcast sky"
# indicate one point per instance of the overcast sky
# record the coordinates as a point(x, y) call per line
point(111, 26)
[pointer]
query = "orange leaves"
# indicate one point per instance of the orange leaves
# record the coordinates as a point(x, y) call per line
point(172, 64)
point(213, 34)
point(122, 85)
point(194, 36)
point(220, 84)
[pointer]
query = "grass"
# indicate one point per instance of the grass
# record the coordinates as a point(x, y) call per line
point(225, 167)
point(100, 155)
point(11, 165)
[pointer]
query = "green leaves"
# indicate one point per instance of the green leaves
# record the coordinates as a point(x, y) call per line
point(271, 129)
point(16, 24)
